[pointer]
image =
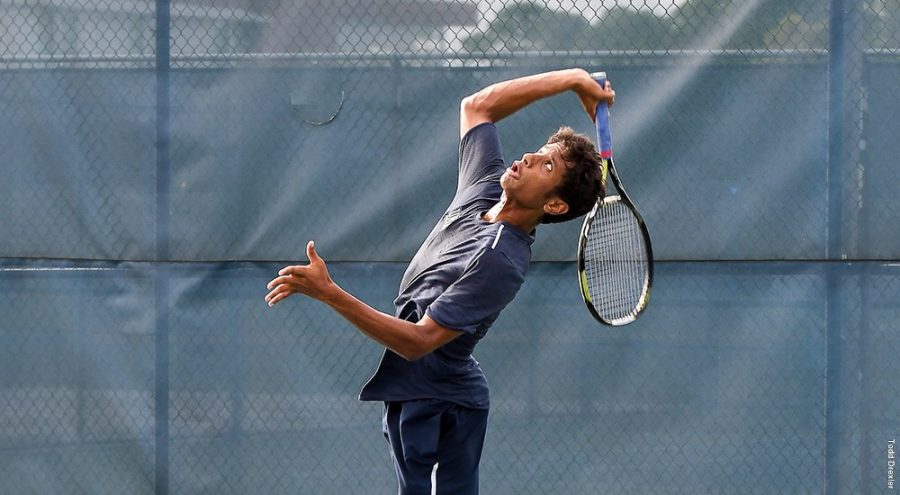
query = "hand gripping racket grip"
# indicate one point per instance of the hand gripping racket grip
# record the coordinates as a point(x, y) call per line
point(604, 137)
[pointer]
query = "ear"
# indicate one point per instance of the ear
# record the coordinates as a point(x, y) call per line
point(556, 206)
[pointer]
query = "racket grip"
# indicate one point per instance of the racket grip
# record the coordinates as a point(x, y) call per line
point(604, 136)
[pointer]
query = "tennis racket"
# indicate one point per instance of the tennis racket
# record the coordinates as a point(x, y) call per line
point(615, 259)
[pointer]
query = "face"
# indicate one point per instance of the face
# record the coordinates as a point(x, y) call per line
point(531, 181)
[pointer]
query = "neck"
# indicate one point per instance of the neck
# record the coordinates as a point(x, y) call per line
point(508, 212)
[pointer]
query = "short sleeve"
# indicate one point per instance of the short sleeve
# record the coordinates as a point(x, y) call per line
point(480, 155)
point(474, 301)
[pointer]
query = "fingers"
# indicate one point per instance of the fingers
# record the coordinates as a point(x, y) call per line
point(285, 284)
point(282, 280)
point(289, 270)
point(612, 93)
point(277, 294)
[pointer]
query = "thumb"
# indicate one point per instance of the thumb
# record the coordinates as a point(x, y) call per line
point(311, 252)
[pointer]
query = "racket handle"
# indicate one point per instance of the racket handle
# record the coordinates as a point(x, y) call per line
point(604, 136)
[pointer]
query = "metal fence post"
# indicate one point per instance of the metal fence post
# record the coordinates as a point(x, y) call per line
point(844, 52)
point(163, 169)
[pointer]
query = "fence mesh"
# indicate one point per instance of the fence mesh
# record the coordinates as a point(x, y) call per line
point(161, 160)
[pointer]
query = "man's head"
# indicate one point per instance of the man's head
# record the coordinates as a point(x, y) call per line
point(561, 180)
point(582, 183)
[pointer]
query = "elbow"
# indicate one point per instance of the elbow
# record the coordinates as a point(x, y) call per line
point(468, 105)
point(473, 111)
point(415, 348)
point(413, 353)
point(476, 107)
point(425, 337)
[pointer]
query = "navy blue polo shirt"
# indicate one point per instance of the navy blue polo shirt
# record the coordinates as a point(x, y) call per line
point(463, 275)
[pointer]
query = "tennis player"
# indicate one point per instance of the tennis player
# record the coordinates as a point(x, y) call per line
point(468, 269)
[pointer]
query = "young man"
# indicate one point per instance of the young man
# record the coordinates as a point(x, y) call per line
point(467, 270)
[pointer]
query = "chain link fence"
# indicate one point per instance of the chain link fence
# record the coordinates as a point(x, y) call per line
point(161, 160)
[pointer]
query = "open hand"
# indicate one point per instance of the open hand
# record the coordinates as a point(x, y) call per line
point(312, 279)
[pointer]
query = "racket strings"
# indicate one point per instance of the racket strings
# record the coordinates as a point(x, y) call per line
point(616, 264)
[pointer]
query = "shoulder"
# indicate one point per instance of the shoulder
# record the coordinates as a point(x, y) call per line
point(479, 130)
point(482, 141)
point(480, 155)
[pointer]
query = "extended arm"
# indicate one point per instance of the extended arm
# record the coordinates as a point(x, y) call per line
point(407, 339)
point(502, 99)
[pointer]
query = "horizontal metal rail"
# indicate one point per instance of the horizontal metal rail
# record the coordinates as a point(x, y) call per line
point(481, 59)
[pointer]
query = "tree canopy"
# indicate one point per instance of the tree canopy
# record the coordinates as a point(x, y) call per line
point(718, 24)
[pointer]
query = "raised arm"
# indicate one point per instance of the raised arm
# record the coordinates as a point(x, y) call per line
point(502, 99)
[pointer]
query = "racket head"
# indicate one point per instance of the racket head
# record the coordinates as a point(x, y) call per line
point(615, 266)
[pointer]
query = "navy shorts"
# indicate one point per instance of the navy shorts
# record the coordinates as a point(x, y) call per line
point(435, 445)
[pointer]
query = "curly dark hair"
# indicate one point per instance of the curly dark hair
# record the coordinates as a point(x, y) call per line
point(582, 184)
